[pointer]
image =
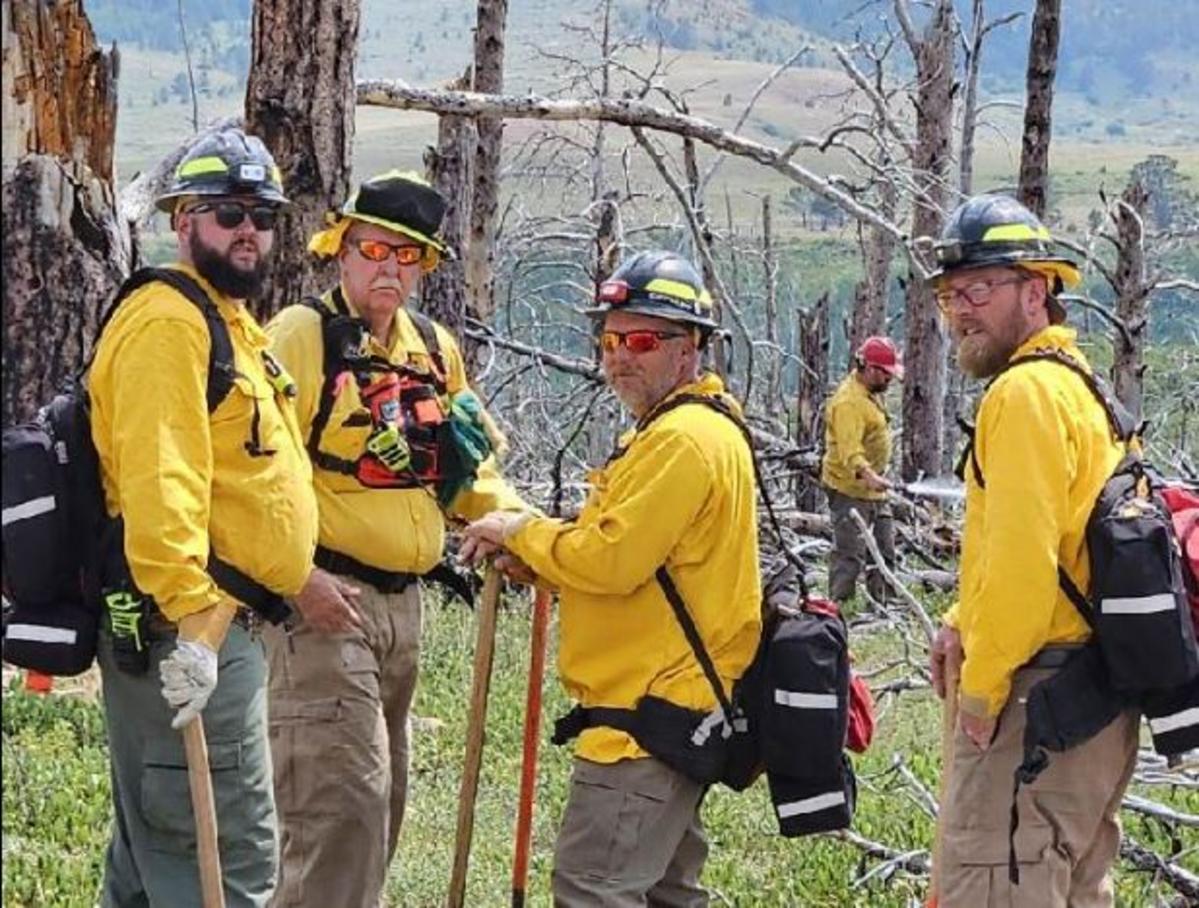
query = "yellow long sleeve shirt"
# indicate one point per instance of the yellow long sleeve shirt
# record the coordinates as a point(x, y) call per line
point(390, 529)
point(856, 435)
point(184, 480)
point(1044, 449)
point(681, 495)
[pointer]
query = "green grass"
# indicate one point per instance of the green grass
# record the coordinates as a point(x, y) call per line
point(56, 791)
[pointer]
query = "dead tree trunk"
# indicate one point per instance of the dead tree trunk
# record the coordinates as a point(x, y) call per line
point(970, 101)
point(604, 201)
point(812, 327)
point(443, 292)
point(1042, 68)
point(925, 347)
point(1132, 298)
point(300, 101)
point(774, 400)
point(488, 77)
point(64, 249)
point(870, 295)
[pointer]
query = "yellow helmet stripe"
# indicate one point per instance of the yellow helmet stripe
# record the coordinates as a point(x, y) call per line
point(678, 290)
point(198, 166)
point(1009, 232)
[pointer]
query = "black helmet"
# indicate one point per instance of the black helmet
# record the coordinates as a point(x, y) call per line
point(225, 163)
point(662, 284)
point(995, 229)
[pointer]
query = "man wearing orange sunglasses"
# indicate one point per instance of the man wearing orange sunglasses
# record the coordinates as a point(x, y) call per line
point(396, 437)
point(674, 505)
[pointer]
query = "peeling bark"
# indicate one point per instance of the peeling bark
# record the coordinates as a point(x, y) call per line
point(1042, 68)
point(1132, 298)
point(300, 102)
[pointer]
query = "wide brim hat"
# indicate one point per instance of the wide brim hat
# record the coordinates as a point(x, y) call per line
point(401, 201)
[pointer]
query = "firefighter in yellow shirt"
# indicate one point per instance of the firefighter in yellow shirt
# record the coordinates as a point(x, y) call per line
point(202, 460)
point(1042, 449)
point(857, 451)
point(678, 494)
point(398, 440)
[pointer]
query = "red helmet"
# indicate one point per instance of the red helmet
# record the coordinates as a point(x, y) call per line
point(881, 352)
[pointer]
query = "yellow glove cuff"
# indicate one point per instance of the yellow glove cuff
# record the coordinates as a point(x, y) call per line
point(210, 625)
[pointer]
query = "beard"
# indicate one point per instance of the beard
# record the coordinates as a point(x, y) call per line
point(983, 354)
point(218, 269)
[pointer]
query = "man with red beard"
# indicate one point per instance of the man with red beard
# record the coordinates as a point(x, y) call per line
point(203, 463)
point(382, 395)
point(1041, 451)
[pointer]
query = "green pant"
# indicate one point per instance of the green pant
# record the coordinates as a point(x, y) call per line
point(151, 860)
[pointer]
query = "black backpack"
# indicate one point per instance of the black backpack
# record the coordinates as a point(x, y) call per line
point(60, 545)
point(1137, 604)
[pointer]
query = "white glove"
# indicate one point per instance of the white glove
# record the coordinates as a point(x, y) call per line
point(188, 679)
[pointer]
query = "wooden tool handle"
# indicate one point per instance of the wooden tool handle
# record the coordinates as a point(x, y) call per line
point(949, 724)
point(200, 780)
point(528, 766)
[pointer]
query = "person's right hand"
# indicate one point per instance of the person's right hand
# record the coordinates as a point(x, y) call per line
point(515, 569)
point(328, 603)
point(873, 481)
point(946, 652)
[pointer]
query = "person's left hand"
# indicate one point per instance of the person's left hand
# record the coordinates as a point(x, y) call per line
point(189, 676)
point(979, 729)
point(487, 534)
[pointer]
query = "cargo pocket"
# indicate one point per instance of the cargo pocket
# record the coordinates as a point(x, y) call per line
point(976, 872)
point(166, 794)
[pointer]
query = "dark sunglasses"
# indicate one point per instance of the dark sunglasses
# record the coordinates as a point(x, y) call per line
point(635, 341)
point(230, 215)
point(378, 251)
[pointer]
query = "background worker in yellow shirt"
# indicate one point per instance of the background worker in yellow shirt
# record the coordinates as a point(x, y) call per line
point(1042, 450)
point(677, 496)
point(396, 437)
point(857, 452)
point(215, 496)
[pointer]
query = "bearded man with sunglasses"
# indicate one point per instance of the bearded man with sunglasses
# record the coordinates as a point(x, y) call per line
point(1041, 451)
point(672, 509)
point(378, 384)
point(217, 522)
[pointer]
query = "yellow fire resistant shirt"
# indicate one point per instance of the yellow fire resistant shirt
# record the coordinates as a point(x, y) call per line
point(1044, 449)
point(389, 529)
point(682, 495)
point(855, 436)
point(183, 480)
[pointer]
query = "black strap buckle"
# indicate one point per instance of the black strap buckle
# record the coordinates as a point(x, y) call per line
point(569, 726)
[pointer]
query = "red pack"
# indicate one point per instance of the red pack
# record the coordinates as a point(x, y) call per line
point(1184, 514)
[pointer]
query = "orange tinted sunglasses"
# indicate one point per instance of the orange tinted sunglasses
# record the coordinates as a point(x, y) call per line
point(635, 341)
point(378, 251)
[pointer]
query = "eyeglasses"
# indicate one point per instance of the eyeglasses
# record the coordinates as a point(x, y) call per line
point(635, 341)
point(378, 251)
point(976, 294)
point(230, 215)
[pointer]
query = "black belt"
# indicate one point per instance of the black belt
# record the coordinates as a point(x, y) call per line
point(1053, 656)
point(383, 581)
point(267, 604)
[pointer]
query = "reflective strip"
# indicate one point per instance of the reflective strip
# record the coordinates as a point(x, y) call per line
point(677, 289)
point(810, 805)
point(38, 633)
point(1184, 719)
point(1138, 605)
point(800, 700)
point(198, 166)
point(1004, 232)
point(26, 509)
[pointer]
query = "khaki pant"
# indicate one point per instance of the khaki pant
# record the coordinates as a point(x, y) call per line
point(631, 836)
point(151, 858)
point(1069, 829)
point(339, 727)
point(850, 555)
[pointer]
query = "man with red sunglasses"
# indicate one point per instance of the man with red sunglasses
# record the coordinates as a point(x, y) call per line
point(398, 442)
point(857, 452)
point(672, 509)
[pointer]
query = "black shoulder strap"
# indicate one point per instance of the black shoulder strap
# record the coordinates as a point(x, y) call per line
point(220, 352)
point(691, 632)
point(721, 407)
point(428, 335)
